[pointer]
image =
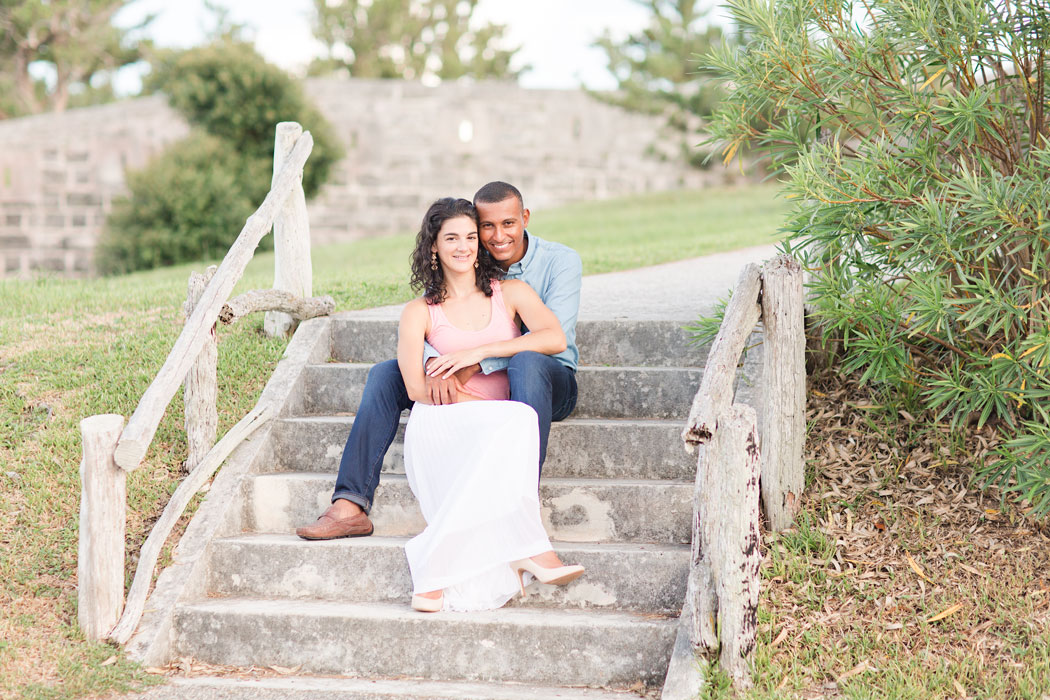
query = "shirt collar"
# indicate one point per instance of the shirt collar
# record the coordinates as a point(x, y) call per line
point(530, 253)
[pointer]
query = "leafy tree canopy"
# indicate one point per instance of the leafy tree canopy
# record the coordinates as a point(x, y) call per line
point(190, 202)
point(659, 70)
point(411, 40)
point(76, 38)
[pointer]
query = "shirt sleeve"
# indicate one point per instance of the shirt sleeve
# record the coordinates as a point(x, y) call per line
point(561, 295)
point(429, 352)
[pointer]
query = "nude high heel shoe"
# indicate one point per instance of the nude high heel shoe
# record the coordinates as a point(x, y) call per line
point(557, 576)
point(428, 604)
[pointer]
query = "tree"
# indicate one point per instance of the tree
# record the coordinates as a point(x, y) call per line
point(914, 140)
point(412, 40)
point(75, 37)
point(190, 202)
point(658, 71)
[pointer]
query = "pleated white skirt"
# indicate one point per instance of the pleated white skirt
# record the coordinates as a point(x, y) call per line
point(474, 468)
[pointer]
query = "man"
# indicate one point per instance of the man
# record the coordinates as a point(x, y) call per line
point(547, 383)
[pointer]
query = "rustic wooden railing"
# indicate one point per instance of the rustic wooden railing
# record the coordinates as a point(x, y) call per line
point(110, 453)
point(739, 460)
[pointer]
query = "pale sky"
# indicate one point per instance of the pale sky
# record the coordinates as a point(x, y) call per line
point(555, 35)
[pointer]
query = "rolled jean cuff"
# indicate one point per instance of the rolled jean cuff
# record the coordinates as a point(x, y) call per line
point(365, 504)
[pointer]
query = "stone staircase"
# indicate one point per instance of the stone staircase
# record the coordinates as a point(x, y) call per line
point(616, 496)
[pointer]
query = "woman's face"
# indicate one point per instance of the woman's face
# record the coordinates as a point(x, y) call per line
point(457, 244)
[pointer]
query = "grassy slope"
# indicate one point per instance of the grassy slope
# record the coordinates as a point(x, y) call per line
point(70, 349)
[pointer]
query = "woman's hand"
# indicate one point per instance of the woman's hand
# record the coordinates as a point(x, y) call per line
point(447, 365)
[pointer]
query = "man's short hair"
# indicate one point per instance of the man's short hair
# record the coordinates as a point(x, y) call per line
point(497, 192)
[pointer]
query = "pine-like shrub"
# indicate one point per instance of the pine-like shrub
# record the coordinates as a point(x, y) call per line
point(913, 137)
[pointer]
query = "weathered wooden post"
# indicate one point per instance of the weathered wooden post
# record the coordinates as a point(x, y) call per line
point(730, 535)
point(784, 389)
point(293, 271)
point(103, 504)
point(200, 390)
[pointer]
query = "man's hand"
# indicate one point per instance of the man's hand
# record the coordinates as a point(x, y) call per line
point(466, 373)
point(441, 391)
point(448, 365)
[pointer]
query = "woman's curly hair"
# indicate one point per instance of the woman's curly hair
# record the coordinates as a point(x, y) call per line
point(432, 282)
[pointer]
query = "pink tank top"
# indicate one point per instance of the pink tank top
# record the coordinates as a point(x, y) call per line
point(446, 338)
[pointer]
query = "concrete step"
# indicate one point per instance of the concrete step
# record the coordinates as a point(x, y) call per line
point(579, 447)
point(614, 343)
point(640, 577)
point(573, 510)
point(604, 392)
point(564, 647)
point(348, 688)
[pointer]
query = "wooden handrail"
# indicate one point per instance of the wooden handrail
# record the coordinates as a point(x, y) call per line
point(719, 616)
point(150, 551)
point(716, 387)
point(142, 425)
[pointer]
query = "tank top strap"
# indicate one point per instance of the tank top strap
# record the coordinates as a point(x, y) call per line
point(437, 316)
point(497, 300)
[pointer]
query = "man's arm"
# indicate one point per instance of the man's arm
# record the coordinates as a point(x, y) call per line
point(561, 295)
point(443, 391)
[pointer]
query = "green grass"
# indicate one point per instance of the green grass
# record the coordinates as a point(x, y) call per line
point(70, 349)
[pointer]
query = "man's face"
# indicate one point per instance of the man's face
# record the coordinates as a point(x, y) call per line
point(503, 230)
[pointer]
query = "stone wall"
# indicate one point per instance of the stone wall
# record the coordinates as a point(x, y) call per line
point(406, 145)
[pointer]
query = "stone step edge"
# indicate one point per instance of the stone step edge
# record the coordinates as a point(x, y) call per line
point(380, 541)
point(553, 480)
point(589, 368)
point(378, 611)
point(348, 417)
point(350, 688)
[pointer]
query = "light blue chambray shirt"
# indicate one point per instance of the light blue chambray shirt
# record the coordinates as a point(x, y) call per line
point(555, 272)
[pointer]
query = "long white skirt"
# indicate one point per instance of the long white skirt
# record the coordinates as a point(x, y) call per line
point(474, 468)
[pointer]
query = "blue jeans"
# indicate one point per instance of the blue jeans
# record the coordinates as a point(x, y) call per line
point(535, 379)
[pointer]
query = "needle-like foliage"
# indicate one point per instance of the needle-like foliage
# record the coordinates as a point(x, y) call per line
point(913, 136)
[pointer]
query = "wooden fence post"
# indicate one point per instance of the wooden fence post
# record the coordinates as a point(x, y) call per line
point(784, 387)
point(293, 271)
point(730, 536)
point(103, 519)
point(200, 390)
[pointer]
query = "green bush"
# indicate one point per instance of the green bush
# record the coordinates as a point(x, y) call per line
point(228, 89)
point(913, 135)
point(190, 203)
point(187, 204)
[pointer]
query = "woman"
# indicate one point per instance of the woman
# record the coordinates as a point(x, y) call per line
point(472, 465)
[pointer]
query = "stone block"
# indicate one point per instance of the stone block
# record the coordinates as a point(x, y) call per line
point(573, 510)
point(83, 199)
point(620, 576)
point(604, 392)
point(578, 447)
point(615, 342)
point(524, 645)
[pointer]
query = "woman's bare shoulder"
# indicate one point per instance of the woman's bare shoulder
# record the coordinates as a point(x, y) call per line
point(415, 309)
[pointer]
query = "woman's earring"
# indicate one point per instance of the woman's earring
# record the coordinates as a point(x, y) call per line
point(476, 264)
point(433, 261)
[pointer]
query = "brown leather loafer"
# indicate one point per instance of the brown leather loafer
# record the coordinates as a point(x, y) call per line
point(329, 527)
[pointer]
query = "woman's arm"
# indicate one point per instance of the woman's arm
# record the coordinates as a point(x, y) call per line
point(411, 332)
point(545, 334)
